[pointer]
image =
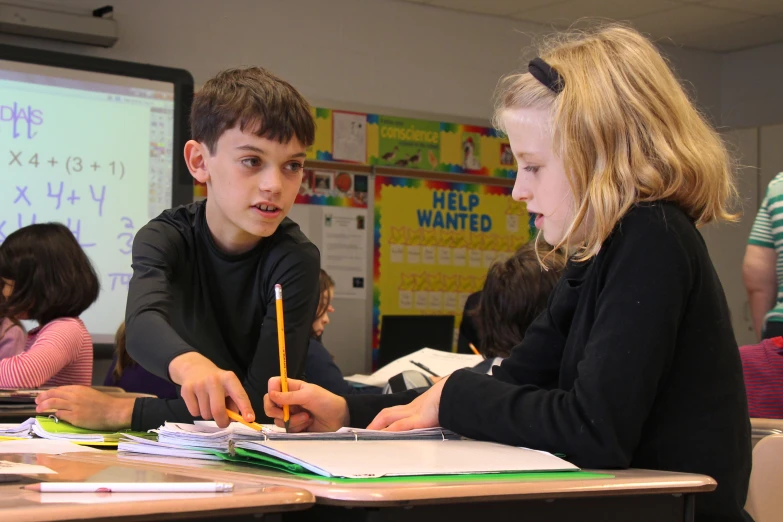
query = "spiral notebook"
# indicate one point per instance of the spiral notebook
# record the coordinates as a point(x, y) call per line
point(206, 434)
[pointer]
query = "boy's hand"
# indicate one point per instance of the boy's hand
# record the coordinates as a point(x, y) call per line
point(85, 407)
point(312, 408)
point(208, 390)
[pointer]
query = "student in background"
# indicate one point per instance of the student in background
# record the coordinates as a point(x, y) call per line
point(321, 369)
point(46, 277)
point(762, 269)
point(468, 333)
point(127, 374)
point(201, 302)
point(762, 365)
point(634, 362)
point(515, 292)
point(12, 337)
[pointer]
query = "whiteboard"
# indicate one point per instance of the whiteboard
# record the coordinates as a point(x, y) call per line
point(94, 151)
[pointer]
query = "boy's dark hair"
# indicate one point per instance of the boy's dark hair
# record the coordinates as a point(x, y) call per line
point(251, 98)
point(52, 275)
point(514, 294)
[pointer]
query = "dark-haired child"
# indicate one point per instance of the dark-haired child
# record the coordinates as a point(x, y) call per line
point(47, 277)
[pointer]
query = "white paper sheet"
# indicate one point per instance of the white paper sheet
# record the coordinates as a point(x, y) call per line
point(366, 459)
point(442, 363)
point(44, 446)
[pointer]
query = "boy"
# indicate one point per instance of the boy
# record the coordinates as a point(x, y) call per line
point(201, 305)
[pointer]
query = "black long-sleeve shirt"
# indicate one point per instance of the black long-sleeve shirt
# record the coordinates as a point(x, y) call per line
point(633, 364)
point(188, 295)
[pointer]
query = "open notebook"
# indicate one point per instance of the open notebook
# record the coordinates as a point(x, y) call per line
point(440, 362)
point(348, 453)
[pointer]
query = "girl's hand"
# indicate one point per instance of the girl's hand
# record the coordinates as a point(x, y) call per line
point(421, 413)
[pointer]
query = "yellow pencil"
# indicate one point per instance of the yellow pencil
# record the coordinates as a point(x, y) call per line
point(237, 417)
point(281, 348)
point(474, 349)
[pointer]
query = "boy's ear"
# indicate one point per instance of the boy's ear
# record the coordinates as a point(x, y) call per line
point(195, 156)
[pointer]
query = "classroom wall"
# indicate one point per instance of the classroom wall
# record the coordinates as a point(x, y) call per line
point(361, 54)
point(750, 87)
point(368, 55)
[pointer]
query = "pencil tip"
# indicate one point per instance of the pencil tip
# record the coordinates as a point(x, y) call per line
point(287, 426)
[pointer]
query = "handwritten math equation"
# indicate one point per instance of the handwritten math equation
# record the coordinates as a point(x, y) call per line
point(71, 165)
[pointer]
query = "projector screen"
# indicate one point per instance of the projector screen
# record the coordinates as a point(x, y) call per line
point(98, 151)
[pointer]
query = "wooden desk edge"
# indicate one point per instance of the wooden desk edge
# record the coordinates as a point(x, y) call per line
point(245, 500)
point(633, 482)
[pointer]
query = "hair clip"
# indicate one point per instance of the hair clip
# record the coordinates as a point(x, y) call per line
point(546, 74)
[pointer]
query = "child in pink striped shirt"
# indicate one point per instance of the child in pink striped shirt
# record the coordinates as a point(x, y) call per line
point(45, 276)
point(12, 337)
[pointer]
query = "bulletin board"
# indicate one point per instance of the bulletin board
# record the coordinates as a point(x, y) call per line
point(434, 242)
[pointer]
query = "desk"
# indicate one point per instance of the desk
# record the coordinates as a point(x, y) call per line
point(249, 498)
point(760, 428)
point(638, 495)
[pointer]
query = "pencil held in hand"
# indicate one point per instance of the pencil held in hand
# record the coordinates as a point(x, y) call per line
point(237, 417)
point(281, 348)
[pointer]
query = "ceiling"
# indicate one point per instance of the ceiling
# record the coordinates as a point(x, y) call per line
point(709, 25)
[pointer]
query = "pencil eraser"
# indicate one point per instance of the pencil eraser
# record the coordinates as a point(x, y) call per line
point(278, 292)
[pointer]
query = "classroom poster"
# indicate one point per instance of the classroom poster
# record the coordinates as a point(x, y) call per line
point(403, 142)
point(344, 250)
point(333, 188)
point(475, 150)
point(434, 242)
point(349, 132)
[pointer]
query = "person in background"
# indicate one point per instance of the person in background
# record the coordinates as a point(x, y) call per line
point(515, 292)
point(46, 277)
point(762, 366)
point(468, 333)
point(321, 368)
point(127, 374)
point(12, 337)
point(762, 268)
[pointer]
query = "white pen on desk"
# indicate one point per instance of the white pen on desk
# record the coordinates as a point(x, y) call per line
point(131, 487)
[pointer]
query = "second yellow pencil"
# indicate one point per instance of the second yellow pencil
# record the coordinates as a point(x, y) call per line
point(281, 349)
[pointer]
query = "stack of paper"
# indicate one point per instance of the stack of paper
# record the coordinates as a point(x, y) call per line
point(23, 430)
point(441, 363)
point(54, 429)
point(206, 434)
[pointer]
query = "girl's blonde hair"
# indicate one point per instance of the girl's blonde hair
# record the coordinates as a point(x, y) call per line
point(626, 131)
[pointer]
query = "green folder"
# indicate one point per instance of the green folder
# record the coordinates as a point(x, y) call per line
point(60, 427)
